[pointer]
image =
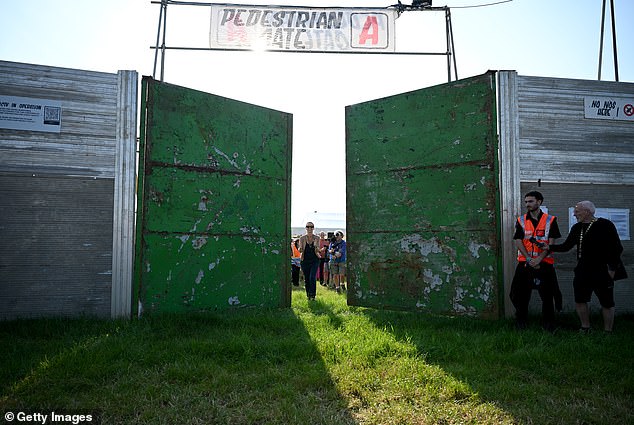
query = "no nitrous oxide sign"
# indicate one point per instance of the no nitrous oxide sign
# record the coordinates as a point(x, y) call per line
point(609, 108)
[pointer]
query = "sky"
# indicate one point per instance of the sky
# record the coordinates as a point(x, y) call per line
point(548, 38)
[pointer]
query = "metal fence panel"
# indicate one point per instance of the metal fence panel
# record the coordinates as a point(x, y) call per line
point(67, 198)
point(548, 143)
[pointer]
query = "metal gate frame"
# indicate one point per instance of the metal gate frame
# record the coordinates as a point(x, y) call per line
point(401, 8)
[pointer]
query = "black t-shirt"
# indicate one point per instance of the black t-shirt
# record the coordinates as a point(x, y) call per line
point(309, 253)
point(601, 243)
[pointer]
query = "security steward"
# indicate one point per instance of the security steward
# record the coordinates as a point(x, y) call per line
point(534, 231)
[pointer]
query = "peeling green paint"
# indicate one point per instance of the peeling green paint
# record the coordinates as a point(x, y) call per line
point(422, 200)
point(214, 203)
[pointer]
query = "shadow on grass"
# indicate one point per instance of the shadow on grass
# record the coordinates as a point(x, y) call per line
point(319, 308)
point(535, 376)
point(239, 367)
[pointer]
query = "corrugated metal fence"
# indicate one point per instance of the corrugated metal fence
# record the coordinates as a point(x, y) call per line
point(548, 144)
point(67, 198)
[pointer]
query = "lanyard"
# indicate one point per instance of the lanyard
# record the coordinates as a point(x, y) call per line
point(581, 238)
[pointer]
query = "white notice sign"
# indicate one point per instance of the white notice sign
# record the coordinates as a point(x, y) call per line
point(609, 108)
point(24, 113)
point(301, 28)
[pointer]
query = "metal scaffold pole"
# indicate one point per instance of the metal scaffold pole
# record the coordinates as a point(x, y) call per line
point(451, 53)
point(162, 23)
point(614, 47)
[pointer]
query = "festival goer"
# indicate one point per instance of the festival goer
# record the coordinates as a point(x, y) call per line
point(296, 257)
point(337, 251)
point(599, 251)
point(323, 261)
point(309, 249)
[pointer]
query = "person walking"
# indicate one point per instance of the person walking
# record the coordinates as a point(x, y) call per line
point(599, 251)
point(534, 232)
point(309, 249)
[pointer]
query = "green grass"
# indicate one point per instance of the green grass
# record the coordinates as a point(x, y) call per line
point(319, 362)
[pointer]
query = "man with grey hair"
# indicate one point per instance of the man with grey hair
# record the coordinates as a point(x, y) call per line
point(598, 255)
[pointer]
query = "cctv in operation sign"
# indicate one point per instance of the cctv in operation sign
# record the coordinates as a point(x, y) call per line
point(301, 28)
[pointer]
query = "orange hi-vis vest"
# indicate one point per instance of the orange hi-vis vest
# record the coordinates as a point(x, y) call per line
point(296, 253)
point(540, 233)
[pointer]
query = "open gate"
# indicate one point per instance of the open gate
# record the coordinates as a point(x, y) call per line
point(213, 220)
point(423, 217)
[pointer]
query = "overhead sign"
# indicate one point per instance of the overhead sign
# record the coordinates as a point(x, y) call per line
point(301, 28)
point(23, 113)
point(609, 108)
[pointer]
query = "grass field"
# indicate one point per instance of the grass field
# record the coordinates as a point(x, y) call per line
point(319, 362)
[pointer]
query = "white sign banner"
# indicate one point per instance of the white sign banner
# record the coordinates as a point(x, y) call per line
point(23, 113)
point(301, 28)
point(609, 108)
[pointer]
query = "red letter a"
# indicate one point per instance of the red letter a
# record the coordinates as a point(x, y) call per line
point(366, 34)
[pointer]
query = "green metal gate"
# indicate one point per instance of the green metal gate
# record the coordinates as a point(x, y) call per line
point(213, 220)
point(422, 200)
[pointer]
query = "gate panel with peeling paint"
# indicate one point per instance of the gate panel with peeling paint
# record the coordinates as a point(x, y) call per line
point(422, 200)
point(214, 202)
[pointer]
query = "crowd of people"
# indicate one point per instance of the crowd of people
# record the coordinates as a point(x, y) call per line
point(318, 257)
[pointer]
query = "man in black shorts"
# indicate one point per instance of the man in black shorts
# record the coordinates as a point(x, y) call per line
point(598, 255)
